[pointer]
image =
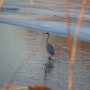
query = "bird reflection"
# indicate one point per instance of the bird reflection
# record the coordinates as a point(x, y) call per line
point(49, 66)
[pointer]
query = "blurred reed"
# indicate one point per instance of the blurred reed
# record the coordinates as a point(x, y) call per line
point(74, 46)
point(1, 3)
point(67, 20)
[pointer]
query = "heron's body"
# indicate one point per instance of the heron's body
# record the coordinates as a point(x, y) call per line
point(49, 47)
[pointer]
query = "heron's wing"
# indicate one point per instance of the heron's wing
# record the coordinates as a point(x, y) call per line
point(50, 49)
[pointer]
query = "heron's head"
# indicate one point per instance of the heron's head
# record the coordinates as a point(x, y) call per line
point(46, 33)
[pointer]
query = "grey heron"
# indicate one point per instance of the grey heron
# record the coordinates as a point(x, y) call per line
point(49, 47)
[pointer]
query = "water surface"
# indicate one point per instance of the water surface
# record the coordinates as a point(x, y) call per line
point(18, 43)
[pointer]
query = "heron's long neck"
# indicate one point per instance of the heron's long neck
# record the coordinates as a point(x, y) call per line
point(47, 38)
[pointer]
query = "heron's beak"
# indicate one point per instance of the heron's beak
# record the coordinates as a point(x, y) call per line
point(43, 33)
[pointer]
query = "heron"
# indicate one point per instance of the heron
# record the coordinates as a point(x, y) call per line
point(49, 47)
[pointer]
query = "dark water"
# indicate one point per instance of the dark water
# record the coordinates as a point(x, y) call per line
point(18, 43)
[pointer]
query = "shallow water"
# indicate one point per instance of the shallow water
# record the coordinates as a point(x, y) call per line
point(18, 43)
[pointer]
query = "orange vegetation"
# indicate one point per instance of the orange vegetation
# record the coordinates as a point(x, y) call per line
point(39, 87)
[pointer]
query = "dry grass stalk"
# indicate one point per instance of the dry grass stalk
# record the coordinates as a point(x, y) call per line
point(74, 46)
point(1, 3)
point(68, 26)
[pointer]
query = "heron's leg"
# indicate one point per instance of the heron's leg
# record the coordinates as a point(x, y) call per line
point(49, 57)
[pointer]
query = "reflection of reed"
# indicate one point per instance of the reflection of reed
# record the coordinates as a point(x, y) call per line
point(67, 27)
point(21, 65)
point(17, 70)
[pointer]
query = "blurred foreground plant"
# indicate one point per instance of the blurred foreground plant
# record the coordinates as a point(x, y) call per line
point(1, 3)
